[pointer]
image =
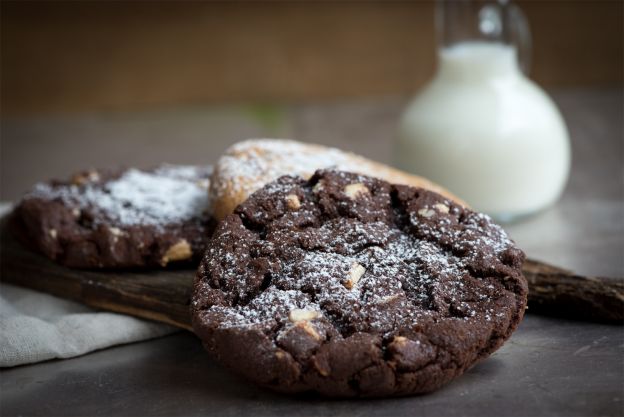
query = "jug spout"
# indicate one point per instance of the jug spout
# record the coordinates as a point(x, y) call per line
point(485, 21)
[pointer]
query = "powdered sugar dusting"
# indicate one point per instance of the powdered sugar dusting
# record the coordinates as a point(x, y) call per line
point(427, 268)
point(249, 165)
point(168, 194)
point(269, 159)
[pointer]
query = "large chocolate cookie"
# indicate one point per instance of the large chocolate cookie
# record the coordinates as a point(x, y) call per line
point(350, 286)
point(124, 219)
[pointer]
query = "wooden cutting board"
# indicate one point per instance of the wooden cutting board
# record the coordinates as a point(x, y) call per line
point(157, 295)
point(164, 296)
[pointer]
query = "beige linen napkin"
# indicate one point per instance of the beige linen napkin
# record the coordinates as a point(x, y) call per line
point(35, 326)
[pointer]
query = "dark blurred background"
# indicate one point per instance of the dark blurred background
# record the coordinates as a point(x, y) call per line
point(135, 83)
point(81, 56)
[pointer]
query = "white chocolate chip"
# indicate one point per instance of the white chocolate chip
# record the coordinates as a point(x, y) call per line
point(353, 190)
point(115, 231)
point(309, 329)
point(299, 314)
point(53, 233)
point(178, 252)
point(355, 273)
point(76, 212)
point(400, 340)
point(93, 176)
point(318, 187)
point(425, 212)
point(292, 201)
point(81, 179)
point(441, 207)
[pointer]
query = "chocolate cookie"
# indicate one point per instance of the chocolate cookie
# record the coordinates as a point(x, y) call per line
point(350, 286)
point(124, 219)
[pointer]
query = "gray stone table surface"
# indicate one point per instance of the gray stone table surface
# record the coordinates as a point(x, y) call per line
point(548, 367)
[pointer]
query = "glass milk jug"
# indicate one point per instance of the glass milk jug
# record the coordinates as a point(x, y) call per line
point(481, 128)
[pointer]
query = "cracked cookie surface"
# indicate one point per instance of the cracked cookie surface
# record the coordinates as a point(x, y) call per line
point(350, 286)
point(119, 219)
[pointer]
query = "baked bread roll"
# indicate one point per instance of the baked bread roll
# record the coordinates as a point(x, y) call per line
point(247, 166)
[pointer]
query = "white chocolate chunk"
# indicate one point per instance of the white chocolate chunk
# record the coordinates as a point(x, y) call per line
point(355, 273)
point(309, 329)
point(292, 201)
point(299, 314)
point(115, 231)
point(318, 187)
point(425, 212)
point(400, 340)
point(441, 207)
point(93, 176)
point(178, 252)
point(353, 190)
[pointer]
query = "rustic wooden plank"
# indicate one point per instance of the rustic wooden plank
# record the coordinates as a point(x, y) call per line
point(558, 292)
point(156, 295)
point(165, 295)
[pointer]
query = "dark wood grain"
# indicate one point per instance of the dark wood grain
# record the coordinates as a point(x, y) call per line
point(558, 292)
point(164, 296)
point(156, 295)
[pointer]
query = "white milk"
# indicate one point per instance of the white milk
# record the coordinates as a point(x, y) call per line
point(486, 132)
